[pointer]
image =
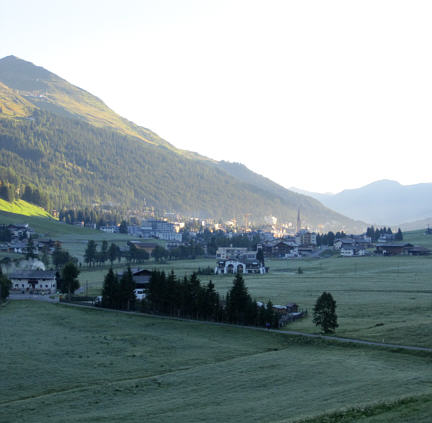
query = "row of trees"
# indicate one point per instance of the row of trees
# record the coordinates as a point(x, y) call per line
point(375, 233)
point(187, 298)
point(96, 215)
point(111, 253)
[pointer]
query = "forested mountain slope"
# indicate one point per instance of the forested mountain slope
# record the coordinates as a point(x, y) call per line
point(72, 146)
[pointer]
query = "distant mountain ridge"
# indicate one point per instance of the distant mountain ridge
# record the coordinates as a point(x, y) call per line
point(69, 143)
point(383, 202)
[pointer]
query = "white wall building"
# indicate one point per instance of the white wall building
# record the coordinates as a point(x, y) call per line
point(33, 281)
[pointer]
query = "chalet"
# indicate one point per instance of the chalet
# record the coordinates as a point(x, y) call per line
point(343, 242)
point(36, 281)
point(48, 245)
point(351, 251)
point(20, 231)
point(393, 249)
point(141, 277)
point(21, 247)
point(419, 251)
point(280, 249)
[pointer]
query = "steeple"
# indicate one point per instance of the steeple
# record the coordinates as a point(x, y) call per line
point(298, 220)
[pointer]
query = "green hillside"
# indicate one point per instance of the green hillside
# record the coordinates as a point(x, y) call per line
point(80, 152)
point(12, 104)
point(23, 207)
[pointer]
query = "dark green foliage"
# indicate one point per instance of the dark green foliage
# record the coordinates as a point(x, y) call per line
point(5, 234)
point(5, 286)
point(137, 255)
point(92, 215)
point(90, 253)
point(190, 251)
point(399, 235)
point(60, 257)
point(77, 164)
point(238, 301)
point(126, 300)
point(7, 192)
point(69, 279)
point(123, 227)
point(31, 249)
point(188, 298)
point(375, 233)
point(159, 253)
point(329, 238)
point(119, 293)
point(324, 313)
point(114, 253)
point(111, 290)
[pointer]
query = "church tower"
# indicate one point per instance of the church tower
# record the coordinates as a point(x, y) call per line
point(298, 221)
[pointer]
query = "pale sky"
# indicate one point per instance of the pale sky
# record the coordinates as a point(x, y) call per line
point(321, 95)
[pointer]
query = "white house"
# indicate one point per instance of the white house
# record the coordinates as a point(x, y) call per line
point(239, 266)
point(350, 251)
point(34, 281)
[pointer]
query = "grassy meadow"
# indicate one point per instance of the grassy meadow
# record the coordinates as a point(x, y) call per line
point(60, 363)
point(378, 298)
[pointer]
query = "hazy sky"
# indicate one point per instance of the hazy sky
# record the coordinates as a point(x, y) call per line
point(322, 95)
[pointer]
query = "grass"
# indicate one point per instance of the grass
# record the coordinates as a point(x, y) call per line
point(71, 365)
point(23, 208)
point(378, 298)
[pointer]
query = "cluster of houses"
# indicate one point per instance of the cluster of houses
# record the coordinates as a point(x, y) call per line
point(361, 245)
point(150, 228)
point(20, 241)
point(301, 244)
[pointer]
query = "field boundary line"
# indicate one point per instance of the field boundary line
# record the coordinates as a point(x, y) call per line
point(282, 332)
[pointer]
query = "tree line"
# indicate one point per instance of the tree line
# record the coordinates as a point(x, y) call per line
point(375, 233)
point(31, 194)
point(187, 298)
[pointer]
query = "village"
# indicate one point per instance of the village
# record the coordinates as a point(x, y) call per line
point(33, 268)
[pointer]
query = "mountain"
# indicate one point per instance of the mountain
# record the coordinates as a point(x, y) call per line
point(68, 143)
point(416, 225)
point(382, 202)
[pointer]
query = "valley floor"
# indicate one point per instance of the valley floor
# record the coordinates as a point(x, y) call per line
point(66, 364)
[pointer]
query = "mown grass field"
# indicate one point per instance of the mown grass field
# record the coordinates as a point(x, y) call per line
point(59, 363)
point(378, 298)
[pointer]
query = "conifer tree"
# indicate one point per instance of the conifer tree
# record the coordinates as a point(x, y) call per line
point(110, 291)
point(127, 294)
point(324, 313)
